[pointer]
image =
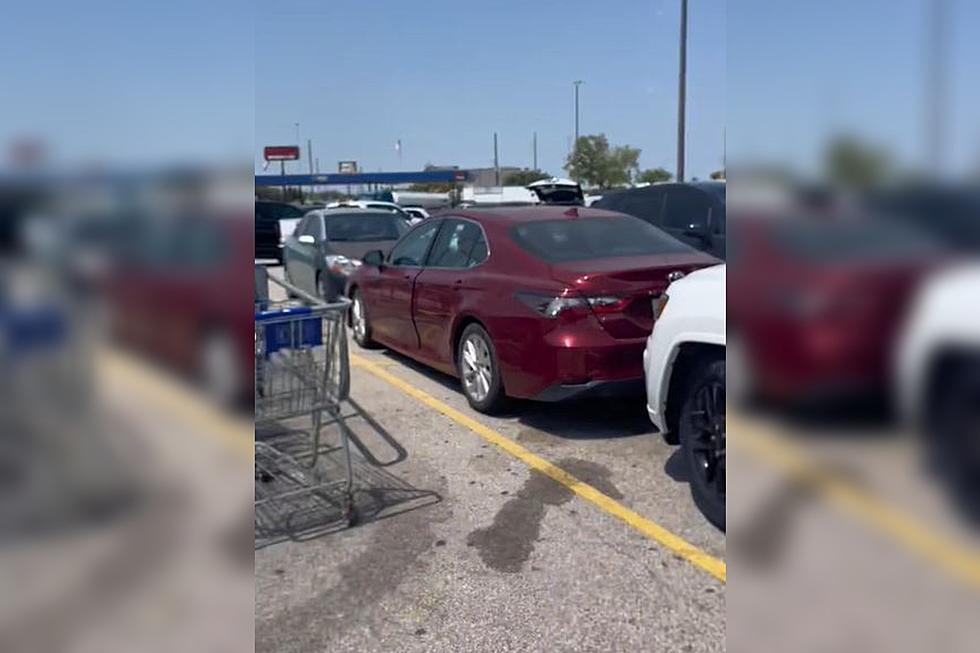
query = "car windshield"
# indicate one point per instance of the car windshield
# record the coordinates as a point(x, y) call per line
point(579, 239)
point(825, 241)
point(364, 227)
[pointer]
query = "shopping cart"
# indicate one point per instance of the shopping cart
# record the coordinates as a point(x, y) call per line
point(301, 370)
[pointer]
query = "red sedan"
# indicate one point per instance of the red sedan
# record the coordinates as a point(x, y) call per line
point(541, 303)
point(814, 306)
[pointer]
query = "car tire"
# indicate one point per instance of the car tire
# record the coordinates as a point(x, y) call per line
point(479, 370)
point(701, 431)
point(359, 322)
point(954, 436)
point(324, 289)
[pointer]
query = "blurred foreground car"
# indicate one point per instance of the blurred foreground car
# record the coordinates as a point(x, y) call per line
point(327, 246)
point(693, 213)
point(543, 303)
point(814, 306)
point(949, 213)
point(181, 294)
point(684, 364)
point(939, 379)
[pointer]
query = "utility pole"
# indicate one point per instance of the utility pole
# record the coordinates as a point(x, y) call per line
point(936, 86)
point(576, 83)
point(496, 161)
point(682, 92)
point(535, 148)
point(309, 153)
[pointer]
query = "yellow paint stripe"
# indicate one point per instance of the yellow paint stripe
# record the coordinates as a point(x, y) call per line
point(651, 529)
point(959, 561)
point(173, 397)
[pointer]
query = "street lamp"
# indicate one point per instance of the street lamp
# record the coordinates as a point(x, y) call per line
point(681, 92)
point(576, 83)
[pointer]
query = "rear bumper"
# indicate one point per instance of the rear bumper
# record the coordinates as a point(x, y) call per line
point(563, 365)
point(592, 389)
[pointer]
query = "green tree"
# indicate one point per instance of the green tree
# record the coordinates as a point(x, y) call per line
point(718, 175)
point(595, 164)
point(850, 162)
point(654, 175)
point(524, 177)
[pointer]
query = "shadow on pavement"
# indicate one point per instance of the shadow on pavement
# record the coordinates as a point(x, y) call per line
point(301, 516)
point(585, 419)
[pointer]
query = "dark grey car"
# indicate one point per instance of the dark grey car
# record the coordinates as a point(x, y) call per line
point(327, 247)
point(693, 212)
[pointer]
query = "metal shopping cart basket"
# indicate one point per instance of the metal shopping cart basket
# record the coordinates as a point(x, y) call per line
point(301, 370)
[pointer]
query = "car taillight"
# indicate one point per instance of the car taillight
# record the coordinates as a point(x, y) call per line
point(608, 303)
point(551, 306)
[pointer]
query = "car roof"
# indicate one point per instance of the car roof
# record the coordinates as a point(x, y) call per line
point(514, 214)
point(351, 210)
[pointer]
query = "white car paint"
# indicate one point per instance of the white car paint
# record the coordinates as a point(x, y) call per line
point(695, 313)
point(945, 316)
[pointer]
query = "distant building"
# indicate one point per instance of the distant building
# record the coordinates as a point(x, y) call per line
point(487, 177)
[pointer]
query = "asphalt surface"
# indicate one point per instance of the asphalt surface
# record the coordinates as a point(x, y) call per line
point(464, 547)
point(840, 540)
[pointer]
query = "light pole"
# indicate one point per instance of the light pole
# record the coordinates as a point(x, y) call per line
point(936, 86)
point(681, 92)
point(576, 83)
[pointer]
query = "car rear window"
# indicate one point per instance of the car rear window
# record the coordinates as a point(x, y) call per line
point(364, 227)
point(855, 239)
point(579, 239)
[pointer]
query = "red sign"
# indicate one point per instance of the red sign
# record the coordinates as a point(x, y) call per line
point(281, 152)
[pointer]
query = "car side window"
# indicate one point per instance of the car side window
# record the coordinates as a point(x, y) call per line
point(718, 219)
point(460, 244)
point(644, 205)
point(283, 211)
point(311, 227)
point(411, 250)
point(684, 208)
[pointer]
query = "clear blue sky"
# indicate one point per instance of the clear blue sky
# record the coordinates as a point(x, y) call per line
point(799, 71)
point(444, 75)
point(124, 81)
point(188, 80)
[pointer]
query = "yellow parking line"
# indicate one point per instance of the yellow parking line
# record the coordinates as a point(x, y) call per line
point(957, 560)
point(175, 399)
point(654, 531)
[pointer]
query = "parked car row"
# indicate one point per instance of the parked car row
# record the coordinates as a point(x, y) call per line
point(550, 303)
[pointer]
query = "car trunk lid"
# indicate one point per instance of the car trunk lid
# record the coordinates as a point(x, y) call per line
point(621, 290)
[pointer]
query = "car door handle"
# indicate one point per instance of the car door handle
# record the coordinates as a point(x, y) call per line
point(458, 284)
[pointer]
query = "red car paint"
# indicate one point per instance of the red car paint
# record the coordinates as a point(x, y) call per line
point(421, 312)
point(167, 305)
point(819, 327)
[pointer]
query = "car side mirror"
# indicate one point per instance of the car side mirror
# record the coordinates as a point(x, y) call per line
point(375, 258)
point(306, 239)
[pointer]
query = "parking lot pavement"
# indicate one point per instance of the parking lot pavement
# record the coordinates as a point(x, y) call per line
point(489, 554)
point(839, 520)
point(163, 560)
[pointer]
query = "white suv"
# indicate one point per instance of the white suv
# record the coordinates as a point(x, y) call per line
point(684, 364)
point(939, 379)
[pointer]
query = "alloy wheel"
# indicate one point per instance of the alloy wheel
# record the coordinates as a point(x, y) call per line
point(708, 442)
point(477, 367)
